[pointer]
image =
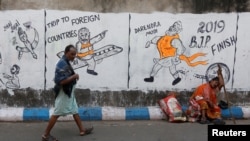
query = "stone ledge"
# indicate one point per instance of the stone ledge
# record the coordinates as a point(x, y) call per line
point(107, 113)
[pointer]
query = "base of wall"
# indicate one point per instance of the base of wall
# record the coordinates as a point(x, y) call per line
point(106, 113)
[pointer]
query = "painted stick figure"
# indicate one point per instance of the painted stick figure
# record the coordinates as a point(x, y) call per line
point(29, 45)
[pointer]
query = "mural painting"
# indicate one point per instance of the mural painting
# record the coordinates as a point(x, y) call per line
point(183, 53)
point(171, 51)
point(157, 51)
point(98, 47)
point(30, 43)
point(12, 79)
point(20, 49)
point(87, 55)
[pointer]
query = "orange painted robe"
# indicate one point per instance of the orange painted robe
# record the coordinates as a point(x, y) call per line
point(205, 92)
point(165, 47)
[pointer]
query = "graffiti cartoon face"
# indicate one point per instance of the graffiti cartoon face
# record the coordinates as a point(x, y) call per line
point(22, 35)
point(175, 28)
point(15, 69)
point(84, 35)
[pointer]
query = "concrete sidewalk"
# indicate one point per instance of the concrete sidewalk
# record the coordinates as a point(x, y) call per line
point(106, 113)
point(134, 130)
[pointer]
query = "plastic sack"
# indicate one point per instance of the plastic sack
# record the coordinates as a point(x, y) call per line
point(172, 108)
point(193, 112)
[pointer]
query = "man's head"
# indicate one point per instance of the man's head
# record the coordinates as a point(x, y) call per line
point(214, 82)
point(175, 28)
point(70, 52)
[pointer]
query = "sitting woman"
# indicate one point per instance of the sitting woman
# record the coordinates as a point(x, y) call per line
point(203, 102)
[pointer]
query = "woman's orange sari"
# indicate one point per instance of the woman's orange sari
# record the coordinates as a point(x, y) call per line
point(203, 94)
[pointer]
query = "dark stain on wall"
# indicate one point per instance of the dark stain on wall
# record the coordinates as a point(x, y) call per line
point(87, 98)
point(203, 6)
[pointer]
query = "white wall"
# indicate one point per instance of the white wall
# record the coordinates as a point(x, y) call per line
point(131, 61)
point(112, 70)
point(31, 68)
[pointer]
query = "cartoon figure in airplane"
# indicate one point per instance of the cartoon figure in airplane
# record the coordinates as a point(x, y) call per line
point(85, 48)
point(87, 55)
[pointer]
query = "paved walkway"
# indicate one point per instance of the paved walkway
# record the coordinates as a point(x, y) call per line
point(134, 130)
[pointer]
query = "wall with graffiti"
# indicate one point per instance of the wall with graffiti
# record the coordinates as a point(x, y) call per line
point(124, 51)
point(102, 44)
point(22, 49)
point(181, 51)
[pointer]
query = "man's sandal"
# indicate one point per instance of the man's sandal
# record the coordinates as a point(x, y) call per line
point(49, 138)
point(87, 131)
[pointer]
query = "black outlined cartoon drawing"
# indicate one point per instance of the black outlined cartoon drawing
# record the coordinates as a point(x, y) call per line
point(212, 72)
point(85, 49)
point(29, 43)
point(86, 55)
point(171, 49)
point(13, 79)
